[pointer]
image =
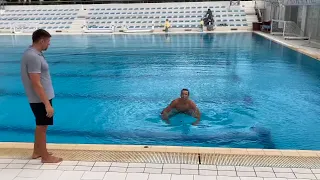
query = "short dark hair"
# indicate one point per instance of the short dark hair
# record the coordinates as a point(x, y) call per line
point(40, 34)
point(185, 90)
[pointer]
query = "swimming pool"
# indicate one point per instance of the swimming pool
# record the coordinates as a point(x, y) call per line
point(110, 89)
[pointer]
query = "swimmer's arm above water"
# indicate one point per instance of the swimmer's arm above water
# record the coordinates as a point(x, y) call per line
point(196, 113)
point(166, 111)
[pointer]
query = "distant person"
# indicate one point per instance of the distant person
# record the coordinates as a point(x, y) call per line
point(37, 84)
point(182, 105)
point(201, 25)
point(209, 14)
point(166, 25)
point(208, 18)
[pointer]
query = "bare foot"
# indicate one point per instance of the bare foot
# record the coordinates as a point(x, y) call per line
point(36, 156)
point(51, 159)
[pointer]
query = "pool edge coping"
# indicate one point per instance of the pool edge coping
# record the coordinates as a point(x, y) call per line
point(167, 149)
point(121, 33)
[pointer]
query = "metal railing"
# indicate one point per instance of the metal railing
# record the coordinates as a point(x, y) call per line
point(294, 2)
point(259, 14)
point(258, 11)
point(56, 2)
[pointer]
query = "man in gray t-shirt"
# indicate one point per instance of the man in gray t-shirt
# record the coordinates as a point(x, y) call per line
point(35, 76)
point(33, 61)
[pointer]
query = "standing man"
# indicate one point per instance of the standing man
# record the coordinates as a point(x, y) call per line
point(201, 25)
point(167, 25)
point(37, 84)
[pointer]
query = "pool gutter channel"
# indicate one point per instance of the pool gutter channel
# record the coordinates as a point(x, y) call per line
point(171, 155)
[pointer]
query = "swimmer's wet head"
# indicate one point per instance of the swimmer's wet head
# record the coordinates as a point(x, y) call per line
point(185, 94)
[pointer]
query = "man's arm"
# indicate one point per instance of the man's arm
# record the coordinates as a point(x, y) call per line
point(196, 113)
point(164, 113)
point(37, 86)
point(34, 71)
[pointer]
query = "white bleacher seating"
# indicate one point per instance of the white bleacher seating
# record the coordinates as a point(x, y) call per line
point(50, 18)
point(145, 15)
point(181, 15)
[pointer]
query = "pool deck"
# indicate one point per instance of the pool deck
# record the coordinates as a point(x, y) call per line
point(130, 162)
point(301, 46)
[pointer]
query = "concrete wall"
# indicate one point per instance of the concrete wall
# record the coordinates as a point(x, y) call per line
point(307, 17)
point(313, 22)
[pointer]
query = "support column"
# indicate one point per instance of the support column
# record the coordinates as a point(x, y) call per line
point(304, 18)
point(282, 12)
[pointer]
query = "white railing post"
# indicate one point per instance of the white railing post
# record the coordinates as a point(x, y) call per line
point(271, 26)
point(284, 27)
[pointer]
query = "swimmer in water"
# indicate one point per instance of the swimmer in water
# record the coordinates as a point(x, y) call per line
point(182, 105)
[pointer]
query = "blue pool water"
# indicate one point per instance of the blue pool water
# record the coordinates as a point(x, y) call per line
point(110, 89)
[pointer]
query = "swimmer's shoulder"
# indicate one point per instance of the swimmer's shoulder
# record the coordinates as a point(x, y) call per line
point(192, 103)
point(176, 101)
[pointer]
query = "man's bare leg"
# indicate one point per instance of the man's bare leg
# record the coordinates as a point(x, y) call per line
point(41, 144)
point(36, 151)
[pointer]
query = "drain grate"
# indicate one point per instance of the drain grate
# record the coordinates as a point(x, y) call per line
point(110, 156)
point(172, 158)
point(261, 160)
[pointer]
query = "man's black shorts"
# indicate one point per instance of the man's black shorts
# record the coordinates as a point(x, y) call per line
point(40, 113)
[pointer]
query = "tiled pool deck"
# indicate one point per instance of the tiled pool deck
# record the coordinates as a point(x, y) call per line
point(111, 162)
